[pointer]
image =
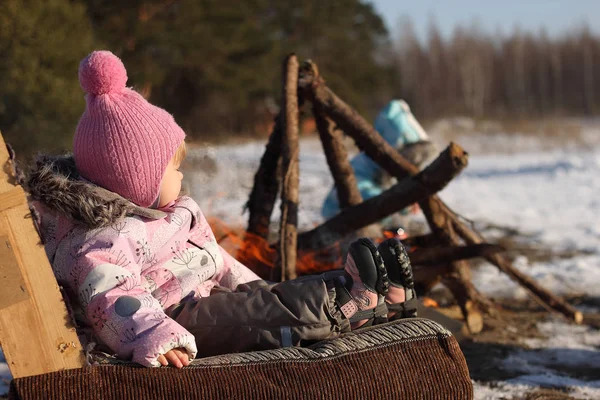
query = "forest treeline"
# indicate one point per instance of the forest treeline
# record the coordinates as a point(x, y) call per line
point(485, 75)
point(216, 64)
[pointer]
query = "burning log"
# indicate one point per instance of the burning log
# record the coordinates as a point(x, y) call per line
point(290, 173)
point(429, 263)
point(406, 192)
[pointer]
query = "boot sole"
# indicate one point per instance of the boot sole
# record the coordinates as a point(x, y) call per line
point(394, 254)
point(396, 259)
point(382, 283)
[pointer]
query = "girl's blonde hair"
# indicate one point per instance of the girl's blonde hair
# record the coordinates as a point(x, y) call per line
point(180, 153)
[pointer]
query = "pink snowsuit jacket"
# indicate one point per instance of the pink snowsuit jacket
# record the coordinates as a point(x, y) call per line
point(123, 265)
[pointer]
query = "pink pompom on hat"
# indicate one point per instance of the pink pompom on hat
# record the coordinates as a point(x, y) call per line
point(122, 142)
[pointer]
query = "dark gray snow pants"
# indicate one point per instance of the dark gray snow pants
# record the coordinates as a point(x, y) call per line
point(260, 315)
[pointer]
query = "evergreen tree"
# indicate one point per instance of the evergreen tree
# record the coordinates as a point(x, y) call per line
point(41, 42)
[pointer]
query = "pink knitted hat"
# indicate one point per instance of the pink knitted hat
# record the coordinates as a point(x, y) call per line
point(122, 142)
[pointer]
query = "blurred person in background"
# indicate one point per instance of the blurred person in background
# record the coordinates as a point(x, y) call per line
point(398, 127)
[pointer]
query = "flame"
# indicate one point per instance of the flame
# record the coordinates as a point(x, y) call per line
point(429, 302)
point(388, 234)
point(399, 233)
point(257, 254)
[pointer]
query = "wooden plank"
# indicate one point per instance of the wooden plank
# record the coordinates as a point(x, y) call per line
point(36, 332)
point(13, 285)
point(12, 198)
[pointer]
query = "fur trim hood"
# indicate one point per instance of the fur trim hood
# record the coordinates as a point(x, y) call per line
point(55, 182)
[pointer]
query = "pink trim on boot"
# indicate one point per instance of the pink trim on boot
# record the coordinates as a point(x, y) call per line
point(363, 298)
point(395, 295)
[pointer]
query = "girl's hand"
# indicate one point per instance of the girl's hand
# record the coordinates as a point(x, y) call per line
point(176, 357)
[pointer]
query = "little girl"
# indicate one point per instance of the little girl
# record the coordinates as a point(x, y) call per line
point(141, 265)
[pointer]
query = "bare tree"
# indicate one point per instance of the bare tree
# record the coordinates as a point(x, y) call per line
point(492, 75)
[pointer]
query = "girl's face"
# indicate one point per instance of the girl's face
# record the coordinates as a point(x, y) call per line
point(171, 184)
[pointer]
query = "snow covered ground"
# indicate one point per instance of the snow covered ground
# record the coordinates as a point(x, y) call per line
point(550, 197)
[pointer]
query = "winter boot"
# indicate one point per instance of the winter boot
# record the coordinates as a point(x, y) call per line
point(360, 293)
point(401, 297)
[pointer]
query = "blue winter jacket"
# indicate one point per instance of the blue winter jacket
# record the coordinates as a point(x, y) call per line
point(397, 125)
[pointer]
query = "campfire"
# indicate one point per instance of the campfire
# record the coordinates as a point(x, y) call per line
point(258, 254)
point(440, 256)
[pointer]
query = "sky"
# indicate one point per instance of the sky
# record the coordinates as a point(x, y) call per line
point(557, 16)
